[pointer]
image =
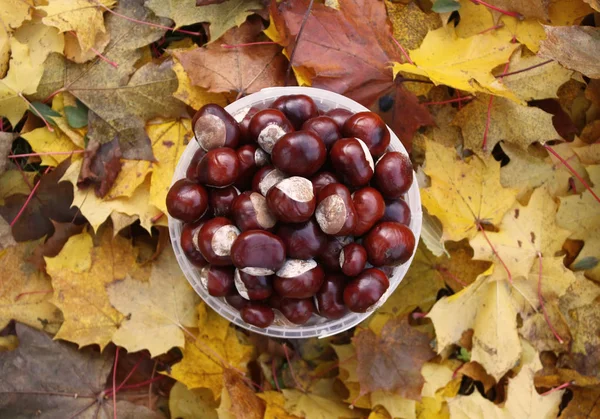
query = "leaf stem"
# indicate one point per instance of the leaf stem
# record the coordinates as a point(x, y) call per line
point(300, 31)
point(36, 112)
point(129, 375)
point(488, 118)
point(493, 28)
point(143, 383)
point(495, 252)
point(560, 387)
point(541, 299)
point(49, 153)
point(451, 275)
point(249, 44)
point(31, 194)
point(458, 99)
point(526, 69)
point(274, 374)
point(497, 9)
point(98, 53)
point(114, 383)
point(287, 357)
point(404, 52)
point(32, 292)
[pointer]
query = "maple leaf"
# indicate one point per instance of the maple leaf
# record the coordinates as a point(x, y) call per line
point(584, 404)
point(464, 64)
point(575, 47)
point(509, 122)
point(594, 3)
point(274, 405)
point(309, 405)
point(246, 403)
point(401, 349)
point(346, 51)
point(476, 183)
point(15, 12)
point(410, 23)
point(194, 96)
point(43, 140)
point(190, 404)
point(221, 17)
point(243, 70)
point(537, 9)
point(160, 307)
point(484, 306)
point(524, 233)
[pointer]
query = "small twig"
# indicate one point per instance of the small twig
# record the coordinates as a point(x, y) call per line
point(560, 387)
point(36, 112)
point(293, 53)
point(525, 69)
point(404, 52)
point(504, 12)
point(541, 299)
point(114, 384)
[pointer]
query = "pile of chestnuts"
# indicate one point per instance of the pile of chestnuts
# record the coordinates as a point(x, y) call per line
point(294, 209)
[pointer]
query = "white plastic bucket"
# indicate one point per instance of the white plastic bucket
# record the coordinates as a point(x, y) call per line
point(317, 325)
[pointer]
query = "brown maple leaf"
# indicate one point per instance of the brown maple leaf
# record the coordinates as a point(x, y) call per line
point(392, 361)
point(243, 70)
point(101, 165)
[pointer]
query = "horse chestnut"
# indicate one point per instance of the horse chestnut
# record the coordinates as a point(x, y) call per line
point(389, 243)
point(393, 174)
point(330, 256)
point(219, 167)
point(250, 212)
point(397, 210)
point(268, 126)
point(298, 279)
point(258, 252)
point(365, 290)
point(325, 127)
point(302, 241)
point(253, 287)
point(370, 207)
point(243, 118)
point(330, 297)
point(215, 239)
point(297, 108)
point(352, 161)
point(188, 243)
point(218, 280)
point(256, 314)
point(339, 116)
point(292, 200)
point(335, 211)
point(298, 311)
point(353, 259)
point(265, 179)
point(369, 127)
point(215, 128)
point(221, 199)
point(299, 153)
point(192, 170)
point(251, 159)
point(322, 179)
point(187, 201)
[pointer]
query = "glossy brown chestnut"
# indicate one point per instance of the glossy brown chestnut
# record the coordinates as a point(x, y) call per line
point(339, 115)
point(192, 170)
point(258, 252)
point(251, 158)
point(393, 175)
point(214, 128)
point(369, 127)
point(187, 201)
point(235, 300)
point(299, 153)
point(298, 279)
point(250, 212)
point(221, 199)
point(352, 161)
point(219, 167)
point(322, 179)
point(365, 290)
point(330, 297)
point(243, 119)
point(215, 240)
point(389, 244)
point(218, 280)
point(297, 108)
point(325, 127)
point(265, 179)
point(370, 206)
point(397, 210)
point(189, 234)
point(353, 259)
point(298, 311)
point(256, 314)
point(302, 241)
point(292, 200)
point(329, 258)
point(253, 287)
point(335, 211)
point(268, 126)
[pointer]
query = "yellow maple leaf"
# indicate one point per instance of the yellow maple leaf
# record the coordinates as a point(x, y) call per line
point(463, 192)
point(568, 12)
point(14, 12)
point(194, 96)
point(25, 291)
point(464, 64)
point(275, 402)
point(80, 273)
point(524, 233)
point(191, 404)
point(312, 406)
point(410, 23)
point(43, 140)
point(155, 311)
point(132, 175)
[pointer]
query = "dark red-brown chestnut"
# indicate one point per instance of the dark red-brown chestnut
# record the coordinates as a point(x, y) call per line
point(369, 206)
point(302, 240)
point(268, 126)
point(330, 256)
point(299, 153)
point(330, 297)
point(257, 314)
point(292, 200)
point(215, 240)
point(353, 259)
point(221, 199)
point(298, 311)
point(235, 300)
point(258, 252)
point(340, 116)
point(243, 118)
point(188, 243)
point(325, 127)
point(298, 279)
point(192, 170)
point(365, 290)
point(250, 212)
point(297, 108)
point(389, 244)
point(188, 201)
point(215, 128)
point(397, 210)
point(251, 158)
point(335, 211)
point(219, 167)
point(253, 287)
point(352, 161)
point(322, 179)
point(218, 280)
point(369, 127)
point(265, 179)
point(393, 175)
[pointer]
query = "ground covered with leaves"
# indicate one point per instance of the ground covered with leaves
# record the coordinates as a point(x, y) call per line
point(498, 103)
